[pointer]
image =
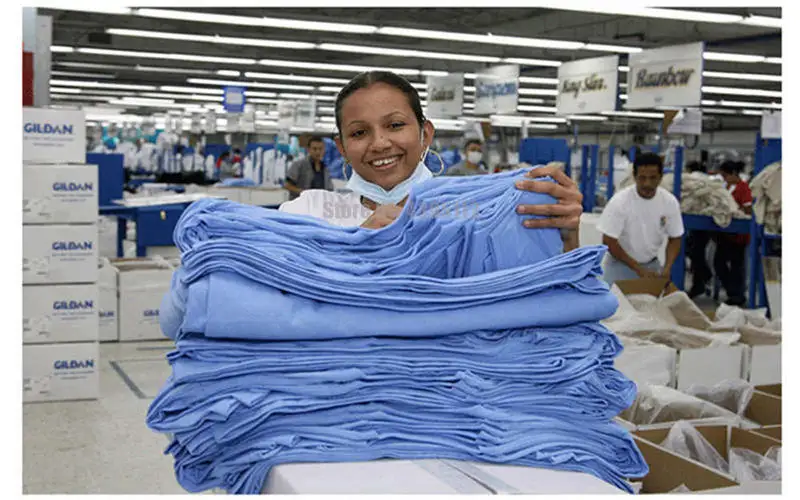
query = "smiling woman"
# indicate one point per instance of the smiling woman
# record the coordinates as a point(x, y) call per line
point(384, 136)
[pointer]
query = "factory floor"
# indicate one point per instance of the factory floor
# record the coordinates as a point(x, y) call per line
point(102, 446)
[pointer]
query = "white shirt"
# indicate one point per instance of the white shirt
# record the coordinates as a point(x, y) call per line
point(340, 209)
point(642, 225)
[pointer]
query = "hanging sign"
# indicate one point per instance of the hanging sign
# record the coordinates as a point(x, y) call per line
point(233, 99)
point(497, 90)
point(445, 95)
point(247, 122)
point(53, 135)
point(232, 124)
point(197, 124)
point(305, 114)
point(685, 121)
point(211, 122)
point(588, 86)
point(669, 76)
point(286, 112)
point(771, 125)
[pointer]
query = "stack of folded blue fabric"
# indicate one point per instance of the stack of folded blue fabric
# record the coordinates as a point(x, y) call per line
point(454, 333)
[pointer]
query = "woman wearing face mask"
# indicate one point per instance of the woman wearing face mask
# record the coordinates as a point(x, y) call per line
point(384, 136)
point(472, 164)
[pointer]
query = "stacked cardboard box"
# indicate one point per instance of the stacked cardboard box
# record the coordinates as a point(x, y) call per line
point(141, 284)
point(60, 293)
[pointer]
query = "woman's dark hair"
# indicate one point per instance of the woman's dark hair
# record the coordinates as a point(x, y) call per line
point(732, 167)
point(369, 78)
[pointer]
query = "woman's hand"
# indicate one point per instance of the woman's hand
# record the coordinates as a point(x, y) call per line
point(382, 216)
point(566, 214)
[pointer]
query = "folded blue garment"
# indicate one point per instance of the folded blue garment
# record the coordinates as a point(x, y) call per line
point(454, 332)
point(237, 181)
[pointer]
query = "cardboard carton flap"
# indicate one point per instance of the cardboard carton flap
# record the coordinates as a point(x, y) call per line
point(772, 389)
point(649, 286)
point(773, 431)
point(764, 409)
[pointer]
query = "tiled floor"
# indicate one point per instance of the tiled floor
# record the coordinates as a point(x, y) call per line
point(102, 446)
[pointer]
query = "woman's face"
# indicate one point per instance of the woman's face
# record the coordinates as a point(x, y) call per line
point(380, 136)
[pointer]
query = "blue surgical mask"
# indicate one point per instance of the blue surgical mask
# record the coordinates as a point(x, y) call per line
point(359, 185)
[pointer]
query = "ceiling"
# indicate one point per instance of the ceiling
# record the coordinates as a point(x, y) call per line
point(80, 30)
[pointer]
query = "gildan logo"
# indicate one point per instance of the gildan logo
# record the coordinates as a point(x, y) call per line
point(73, 364)
point(72, 186)
point(150, 313)
point(47, 128)
point(73, 304)
point(106, 314)
point(72, 245)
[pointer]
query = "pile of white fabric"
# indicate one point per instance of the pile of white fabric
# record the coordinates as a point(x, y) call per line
point(702, 195)
point(766, 188)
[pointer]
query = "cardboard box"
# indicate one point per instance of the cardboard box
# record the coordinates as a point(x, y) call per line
point(167, 252)
point(647, 363)
point(107, 228)
point(723, 439)
point(60, 372)
point(142, 284)
point(695, 366)
point(669, 471)
point(59, 313)
point(53, 135)
point(772, 389)
point(763, 410)
point(658, 407)
point(59, 194)
point(762, 359)
point(109, 302)
point(771, 431)
point(59, 254)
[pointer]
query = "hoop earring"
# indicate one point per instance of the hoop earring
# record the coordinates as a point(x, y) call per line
point(441, 162)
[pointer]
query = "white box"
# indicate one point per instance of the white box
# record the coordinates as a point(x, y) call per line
point(109, 302)
point(59, 194)
point(659, 407)
point(167, 252)
point(59, 313)
point(60, 372)
point(53, 135)
point(762, 359)
point(709, 366)
point(59, 254)
point(107, 236)
point(142, 285)
point(647, 363)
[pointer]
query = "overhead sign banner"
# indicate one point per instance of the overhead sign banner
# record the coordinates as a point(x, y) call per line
point(197, 124)
point(286, 111)
point(588, 86)
point(669, 76)
point(233, 99)
point(211, 123)
point(305, 114)
point(771, 125)
point(497, 90)
point(233, 122)
point(446, 95)
point(53, 135)
point(247, 122)
point(684, 121)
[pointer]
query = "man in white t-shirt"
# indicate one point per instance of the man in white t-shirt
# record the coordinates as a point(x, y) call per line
point(637, 221)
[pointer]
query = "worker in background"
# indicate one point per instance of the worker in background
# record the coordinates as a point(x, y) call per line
point(472, 164)
point(729, 260)
point(384, 135)
point(636, 223)
point(696, 243)
point(310, 172)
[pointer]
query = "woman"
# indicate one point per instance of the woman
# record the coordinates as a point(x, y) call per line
point(729, 259)
point(384, 136)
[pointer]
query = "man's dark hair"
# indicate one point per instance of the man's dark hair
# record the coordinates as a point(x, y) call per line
point(369, 78)
point(731, 167)
point(471, 142)
point(315, 139)
point(647, 160)
point(695, 166)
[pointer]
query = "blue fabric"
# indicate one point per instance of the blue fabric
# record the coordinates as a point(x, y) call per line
point(446, 335)
point(237, 181)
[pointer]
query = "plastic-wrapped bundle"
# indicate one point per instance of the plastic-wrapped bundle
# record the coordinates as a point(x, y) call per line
point(435, 337)
point(733, 395)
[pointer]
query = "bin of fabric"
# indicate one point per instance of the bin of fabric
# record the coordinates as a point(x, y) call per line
point(453, 333)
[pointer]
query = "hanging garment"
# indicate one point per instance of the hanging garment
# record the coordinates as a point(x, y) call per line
point(766, 188)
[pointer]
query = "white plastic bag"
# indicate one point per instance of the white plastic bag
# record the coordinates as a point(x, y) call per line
point(656, 404)
point(733, 395)
point(687, 441)
point(747, 465)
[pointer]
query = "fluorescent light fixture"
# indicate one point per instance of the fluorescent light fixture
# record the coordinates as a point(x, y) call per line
point(773, 60)
point(271, 22)
point(740, 104)
point(146, 100)
point(121, 86)
point(329, 89)
point(236, 83)
point(229, 72)
point(327, 119)
point(633, 114)
point(263, 101)
point(712, 111)
point(295, 78)
point(489, 38)
point(71, 64)
point(256, 93)
point(191, 90)
point(186, 71)
point(532, 62)
point(325, 97)
point(71, 97)
point(743, 76)
point(434, 73)
point(253, 42)
point(546, 119)
point(334, 67)
point(469, 89)
point(623, 97)
point(752, 112)
point(469, 105)
point(611, 48)
point(540, 109)
point(725, 56)
point(767, 22)
point(193, 97)
point(741, 91)
point(325, 109)
point(295, 96)
point(386, 51)
point(61, 48)
point(98, 10)
point(112, 93)
point(549, 92)
point(165, 105)
point(81, 75)
point(587, 118)
point(679, 15)
point(624, 69)
point(529, 100)
point(64, 90)
point(164, 55)
point(538, 81)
